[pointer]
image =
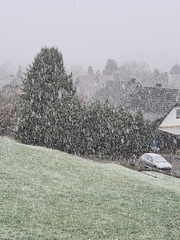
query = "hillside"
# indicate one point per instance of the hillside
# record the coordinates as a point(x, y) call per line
point(47, 194)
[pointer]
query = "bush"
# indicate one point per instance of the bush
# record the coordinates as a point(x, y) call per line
point(7, 119)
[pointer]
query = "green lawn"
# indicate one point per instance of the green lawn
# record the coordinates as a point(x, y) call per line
point(47, 194)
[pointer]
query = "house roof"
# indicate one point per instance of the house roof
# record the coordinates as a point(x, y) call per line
point(172, 130)
point(154, 102)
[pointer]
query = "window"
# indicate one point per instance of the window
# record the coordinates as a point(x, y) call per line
point(149, 159)
point(177, 113)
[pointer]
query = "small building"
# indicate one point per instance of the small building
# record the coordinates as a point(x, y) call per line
point(171, 123)
point(169, 129)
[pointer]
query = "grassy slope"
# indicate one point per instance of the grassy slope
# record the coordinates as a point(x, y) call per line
point(47, 194)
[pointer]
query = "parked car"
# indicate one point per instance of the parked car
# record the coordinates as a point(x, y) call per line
point(155, 161)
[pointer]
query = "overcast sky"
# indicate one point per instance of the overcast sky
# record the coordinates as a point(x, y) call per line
point(88, 32)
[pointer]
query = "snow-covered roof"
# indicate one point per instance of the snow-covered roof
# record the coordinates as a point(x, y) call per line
point(172, 130)
point(154, 102)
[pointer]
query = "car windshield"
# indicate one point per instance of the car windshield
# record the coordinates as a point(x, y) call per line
point(158, 159)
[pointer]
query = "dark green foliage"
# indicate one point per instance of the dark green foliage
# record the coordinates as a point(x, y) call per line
point(141, 135)
point(45, 86)
point(106, 130)
point(51, 115)
point(68, 124)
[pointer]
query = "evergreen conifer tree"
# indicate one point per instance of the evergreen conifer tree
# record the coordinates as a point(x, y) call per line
point(45, 86)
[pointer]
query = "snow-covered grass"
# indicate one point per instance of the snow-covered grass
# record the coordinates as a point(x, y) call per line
point(47, 194)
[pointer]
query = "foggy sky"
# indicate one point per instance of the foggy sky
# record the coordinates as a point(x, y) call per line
point(88, 32)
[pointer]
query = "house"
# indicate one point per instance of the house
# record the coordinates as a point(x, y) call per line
point(154, 102)
point(157, 104)
point(171, 123)
point(168, 132)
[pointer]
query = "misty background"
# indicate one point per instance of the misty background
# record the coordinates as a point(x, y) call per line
point(88, 32)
